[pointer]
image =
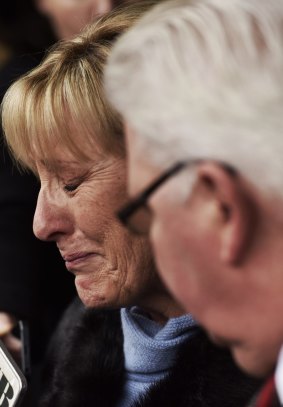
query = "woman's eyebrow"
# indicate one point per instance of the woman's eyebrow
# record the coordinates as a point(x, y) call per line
point(58, 165)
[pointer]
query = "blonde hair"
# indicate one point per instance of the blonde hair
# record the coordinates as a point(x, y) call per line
point(65, 94)
point(208, 75)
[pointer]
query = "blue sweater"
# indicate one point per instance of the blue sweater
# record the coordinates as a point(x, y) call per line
point(150, 350)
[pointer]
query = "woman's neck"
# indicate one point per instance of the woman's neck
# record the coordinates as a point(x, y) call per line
point(161, 308)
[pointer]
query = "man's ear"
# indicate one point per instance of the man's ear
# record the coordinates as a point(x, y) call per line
point(235, 207)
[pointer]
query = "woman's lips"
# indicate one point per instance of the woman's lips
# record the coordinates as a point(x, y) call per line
point(76, 259)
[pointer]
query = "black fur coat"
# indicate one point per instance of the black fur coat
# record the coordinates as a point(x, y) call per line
point(85, 368)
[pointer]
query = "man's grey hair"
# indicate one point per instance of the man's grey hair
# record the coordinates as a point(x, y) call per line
point(204, 79)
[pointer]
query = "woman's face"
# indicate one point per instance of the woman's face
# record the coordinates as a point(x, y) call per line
point(76, 209)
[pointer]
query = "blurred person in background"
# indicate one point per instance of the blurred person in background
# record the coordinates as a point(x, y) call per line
point(68, 17)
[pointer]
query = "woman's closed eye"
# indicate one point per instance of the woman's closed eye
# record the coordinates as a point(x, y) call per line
point(71, 187)
point(71, 183)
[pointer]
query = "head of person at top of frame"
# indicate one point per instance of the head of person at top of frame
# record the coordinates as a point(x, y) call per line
point(205, 146)
point(69, 17)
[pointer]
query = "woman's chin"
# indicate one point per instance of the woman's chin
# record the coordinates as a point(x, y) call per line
point(84, 282)
point(89, 294)
point(91, 300)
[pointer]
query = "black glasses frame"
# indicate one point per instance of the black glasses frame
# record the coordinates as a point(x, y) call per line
point(128, 210)
point(135, 204)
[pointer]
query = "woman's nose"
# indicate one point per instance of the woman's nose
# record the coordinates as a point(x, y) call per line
point(50, 218)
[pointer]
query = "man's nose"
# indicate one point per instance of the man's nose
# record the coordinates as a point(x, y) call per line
point(50, 218)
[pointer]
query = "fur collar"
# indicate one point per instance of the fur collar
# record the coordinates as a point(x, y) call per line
point(85, 368)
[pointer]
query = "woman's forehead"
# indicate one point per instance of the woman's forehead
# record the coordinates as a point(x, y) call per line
point(67, 141)
point(62, 155)
point(59, 165)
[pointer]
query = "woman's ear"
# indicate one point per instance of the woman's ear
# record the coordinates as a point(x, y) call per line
point(236, 211)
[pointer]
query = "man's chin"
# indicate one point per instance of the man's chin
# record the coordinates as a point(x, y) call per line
point(220, 341)
point(252, 365)
point(242, 358)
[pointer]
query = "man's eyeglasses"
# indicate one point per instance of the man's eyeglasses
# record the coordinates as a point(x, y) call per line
point(136, 215)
